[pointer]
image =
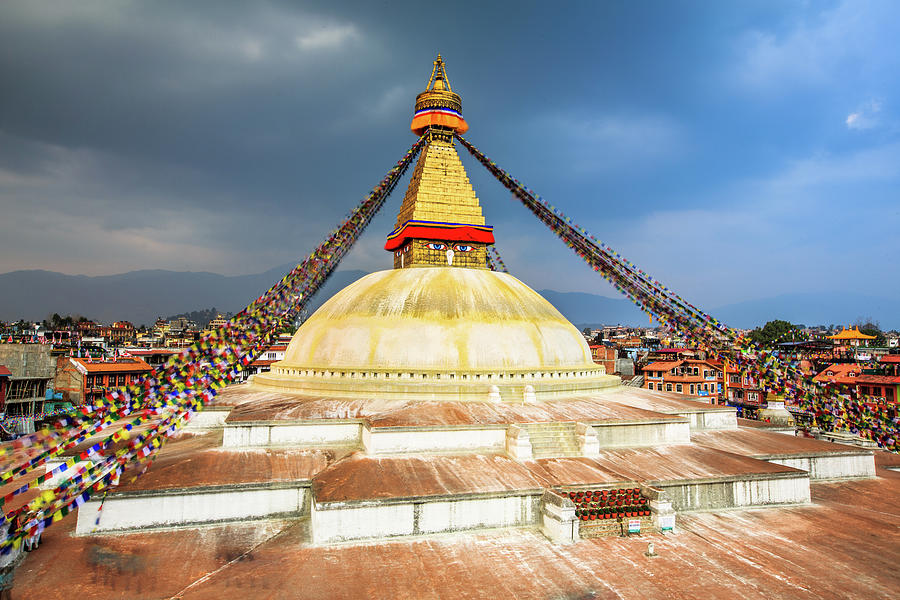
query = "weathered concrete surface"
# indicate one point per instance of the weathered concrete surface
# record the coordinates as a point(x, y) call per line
point(361, 477)
point(190, 461)
point(844, 545)
point(701, 414)
point(266, 407)
point(661, 464)
point(823, 460)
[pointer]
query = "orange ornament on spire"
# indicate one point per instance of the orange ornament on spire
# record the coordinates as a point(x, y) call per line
point(438, 105)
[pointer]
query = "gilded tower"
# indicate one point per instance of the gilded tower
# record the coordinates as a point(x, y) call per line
point(440, 221)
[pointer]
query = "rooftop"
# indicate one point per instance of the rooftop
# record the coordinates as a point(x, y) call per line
point(121, 364)
point(781, 552)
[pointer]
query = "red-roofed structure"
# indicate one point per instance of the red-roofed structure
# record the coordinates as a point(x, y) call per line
point(690, 377)
point(82, 380)
point(604, 355)
point(866, 384)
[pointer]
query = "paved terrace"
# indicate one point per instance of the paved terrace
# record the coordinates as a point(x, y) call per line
point(268, 407)
point(845, 545)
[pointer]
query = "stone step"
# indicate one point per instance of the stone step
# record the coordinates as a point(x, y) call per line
point(550, 440)
point(555, 454)
point(553, 440)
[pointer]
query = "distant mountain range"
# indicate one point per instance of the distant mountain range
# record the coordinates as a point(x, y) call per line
point(139, 296)
point(142, 296)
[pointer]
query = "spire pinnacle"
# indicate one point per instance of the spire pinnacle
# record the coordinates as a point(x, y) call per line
point(438, 108)
point(439, 77)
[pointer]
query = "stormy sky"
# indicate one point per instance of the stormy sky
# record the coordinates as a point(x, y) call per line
point(735, 150)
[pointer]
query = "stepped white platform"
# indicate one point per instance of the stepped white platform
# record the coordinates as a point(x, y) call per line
point(362, 469)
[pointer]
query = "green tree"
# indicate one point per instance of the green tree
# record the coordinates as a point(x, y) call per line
point(774, 332)
point(870, 327)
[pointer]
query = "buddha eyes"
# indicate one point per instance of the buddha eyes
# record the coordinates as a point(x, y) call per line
point(457, 247)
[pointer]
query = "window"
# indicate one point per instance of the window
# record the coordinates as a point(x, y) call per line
point(668, 387)
point(678, 388)
point(121, 380)
point(692, 388)
point(90, 381)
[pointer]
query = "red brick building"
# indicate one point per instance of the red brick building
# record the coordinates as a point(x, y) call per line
point(604, 355)
point(82, 379)
point(691, 377)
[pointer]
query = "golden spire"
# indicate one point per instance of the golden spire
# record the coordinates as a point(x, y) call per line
point(440, 221)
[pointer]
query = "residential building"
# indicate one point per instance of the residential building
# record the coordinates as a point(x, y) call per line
point(852, 375)
point(32, 368)
point(605, 355)
point(690, 377)
point(5, 374)
point(120, 332)
point(155, 357)
point(82, 380)
point(263, 363)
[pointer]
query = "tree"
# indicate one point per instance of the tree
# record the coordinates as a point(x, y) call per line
point(773, 332)
point(870, 327)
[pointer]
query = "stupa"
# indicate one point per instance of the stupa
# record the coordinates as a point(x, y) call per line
point(435, 397)
point(439, 325)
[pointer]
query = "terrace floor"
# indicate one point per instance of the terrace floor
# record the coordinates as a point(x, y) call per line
point(846, 544)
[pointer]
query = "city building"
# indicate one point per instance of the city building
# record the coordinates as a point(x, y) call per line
point(117, 334)
point(81, 380)
point(850, 338)
point(5, 374)
point(605, 355)
point(155, 357)
point(264, 362)
point(32, 368)
point(854, 376)
point(690, 377)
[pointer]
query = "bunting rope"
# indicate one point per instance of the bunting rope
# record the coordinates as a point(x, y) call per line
point(165, 399)
point(495, 262)
point(832, 407)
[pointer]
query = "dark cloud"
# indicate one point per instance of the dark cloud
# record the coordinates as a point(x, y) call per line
point(229, 136)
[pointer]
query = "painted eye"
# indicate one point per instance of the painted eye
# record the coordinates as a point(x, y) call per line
point(437, 246)
point(463, 248)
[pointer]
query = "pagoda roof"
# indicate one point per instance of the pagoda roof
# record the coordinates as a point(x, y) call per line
point(851, 334)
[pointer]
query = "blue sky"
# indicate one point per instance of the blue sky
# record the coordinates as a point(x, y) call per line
point(735, 150)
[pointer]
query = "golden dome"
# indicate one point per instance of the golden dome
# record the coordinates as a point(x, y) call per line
point(437, 332)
